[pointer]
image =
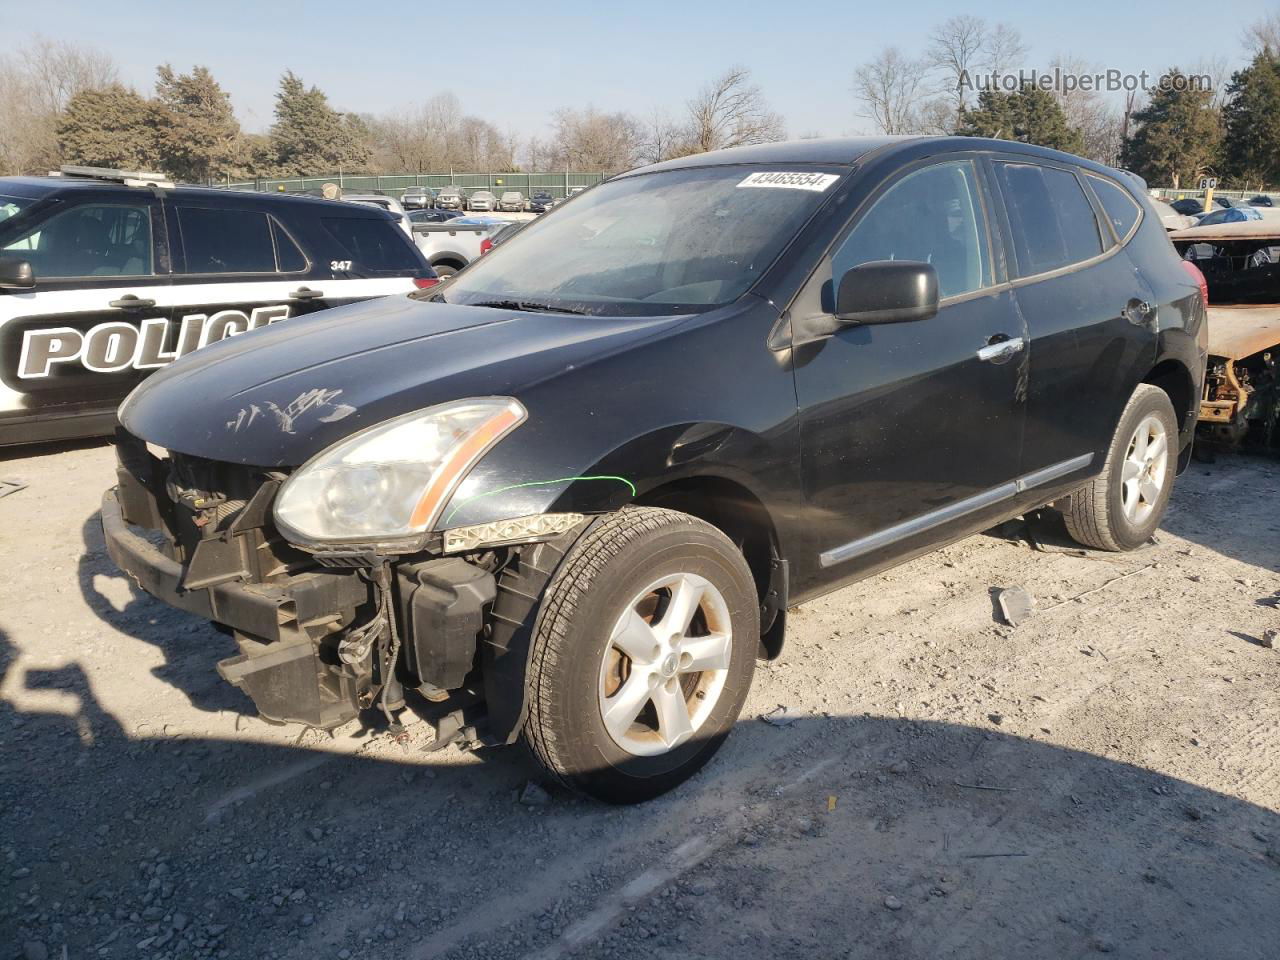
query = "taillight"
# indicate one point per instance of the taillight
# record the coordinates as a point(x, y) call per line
point(485, 246)
point(423, 282)
point(1199, 279)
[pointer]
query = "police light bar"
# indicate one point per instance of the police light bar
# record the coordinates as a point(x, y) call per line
point(130, 178)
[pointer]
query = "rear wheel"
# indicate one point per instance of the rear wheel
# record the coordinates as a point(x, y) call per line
point(444, 269)
point(643, 656)
point(1122, 507)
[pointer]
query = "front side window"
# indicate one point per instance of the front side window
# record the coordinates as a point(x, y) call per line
point(226, 241)
point(88, 240)
point(1121, 209)
point(1051, 218)
point(677, 241)
point(932, 216)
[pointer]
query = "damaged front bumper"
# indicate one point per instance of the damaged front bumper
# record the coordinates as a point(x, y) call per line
point(315, 637)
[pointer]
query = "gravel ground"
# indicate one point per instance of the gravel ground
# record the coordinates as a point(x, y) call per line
point(1102, 778)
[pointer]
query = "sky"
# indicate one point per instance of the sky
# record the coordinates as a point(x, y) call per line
point(638, 57)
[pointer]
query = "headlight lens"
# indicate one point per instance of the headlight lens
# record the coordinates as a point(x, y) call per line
point(390, 482)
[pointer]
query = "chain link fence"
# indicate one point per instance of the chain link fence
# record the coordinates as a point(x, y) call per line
point(556, 184)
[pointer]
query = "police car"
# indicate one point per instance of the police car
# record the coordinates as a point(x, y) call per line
point(106, 276)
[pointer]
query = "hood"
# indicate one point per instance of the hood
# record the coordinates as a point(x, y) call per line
point(277, 396)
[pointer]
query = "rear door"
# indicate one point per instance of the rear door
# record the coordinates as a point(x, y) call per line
point(239, 269)
point(1089, 314)
point(94, 324)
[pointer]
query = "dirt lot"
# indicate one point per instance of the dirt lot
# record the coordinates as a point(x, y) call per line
point(1104, 777)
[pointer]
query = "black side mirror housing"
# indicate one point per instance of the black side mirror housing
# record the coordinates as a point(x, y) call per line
point(887, 291)
point(16, 274)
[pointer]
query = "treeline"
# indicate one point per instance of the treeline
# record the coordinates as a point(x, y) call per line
point(1193, 122)
point(63, 104)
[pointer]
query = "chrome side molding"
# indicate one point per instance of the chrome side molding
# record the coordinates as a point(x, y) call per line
point(952, 511)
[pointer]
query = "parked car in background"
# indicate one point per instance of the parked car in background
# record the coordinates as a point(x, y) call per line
point(1261, 200)
point(511, 201)
point(584, 480)
point(451, 245)
point(1171, 218)
point(1229, 215)
point(417, 198)
point(482, 200)
point(541, 202)
point(95, 294)
point(433, 216)
point(451, 198)
point(390, 204)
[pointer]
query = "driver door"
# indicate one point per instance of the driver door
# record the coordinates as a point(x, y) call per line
point(912, 431)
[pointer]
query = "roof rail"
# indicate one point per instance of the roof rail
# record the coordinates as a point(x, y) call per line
point(130, 178)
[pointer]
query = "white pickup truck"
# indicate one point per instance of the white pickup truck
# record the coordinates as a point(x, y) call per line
point(451, 245)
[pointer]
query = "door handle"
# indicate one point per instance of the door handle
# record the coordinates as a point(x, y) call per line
point(131, 302)
point(306, 293)
point(1001, 350)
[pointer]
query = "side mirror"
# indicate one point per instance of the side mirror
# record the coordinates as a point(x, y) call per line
point(887, 291)
point(16, 274)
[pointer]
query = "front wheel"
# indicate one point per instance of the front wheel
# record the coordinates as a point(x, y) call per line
point(1121, 508)
point(643, 655)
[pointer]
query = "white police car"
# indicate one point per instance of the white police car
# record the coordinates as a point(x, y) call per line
point(106, 276)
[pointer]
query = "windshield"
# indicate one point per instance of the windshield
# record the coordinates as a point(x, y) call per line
point(680, 241)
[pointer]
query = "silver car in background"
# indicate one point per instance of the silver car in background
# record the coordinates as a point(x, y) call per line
point(482, 200)
point(452, 198)
point(417, 198)
point(513, 201)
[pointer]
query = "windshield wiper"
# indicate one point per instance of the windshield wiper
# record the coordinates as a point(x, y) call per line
point(528, 306)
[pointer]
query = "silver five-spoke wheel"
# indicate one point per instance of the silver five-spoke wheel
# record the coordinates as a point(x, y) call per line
point(1142, 476)
point(665, 665)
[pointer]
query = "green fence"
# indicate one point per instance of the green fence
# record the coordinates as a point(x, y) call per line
point(556, 184)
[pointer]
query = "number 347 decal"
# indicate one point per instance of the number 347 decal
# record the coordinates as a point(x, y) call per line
point(340, 265)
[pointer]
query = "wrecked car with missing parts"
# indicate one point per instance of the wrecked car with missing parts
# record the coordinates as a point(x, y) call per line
point(570, 494)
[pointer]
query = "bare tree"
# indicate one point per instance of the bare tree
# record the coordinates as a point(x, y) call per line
point(1003, 49)
point(35, 87)
point(731, 111)
point(663, 139)
point(957, 48)
point(892, 88)
point(590, 139)
point(1099, 124)
point(1263, 35)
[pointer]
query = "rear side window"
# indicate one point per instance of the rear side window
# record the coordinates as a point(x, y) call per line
point(289, 258)
point(227, 241)
point(372, 246)
point(1051, 218)
point(1121, 209)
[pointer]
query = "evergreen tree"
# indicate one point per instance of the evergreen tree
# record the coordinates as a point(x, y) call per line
point(198, 134)
point(1251, 149)
point(109, 127)
point(1177, 136)
point(1030, 115)
point(309, 137)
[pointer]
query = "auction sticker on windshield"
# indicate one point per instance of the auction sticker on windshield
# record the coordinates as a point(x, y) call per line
point(791, 181)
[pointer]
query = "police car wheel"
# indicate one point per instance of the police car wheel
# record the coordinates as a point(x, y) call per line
point(642, 656)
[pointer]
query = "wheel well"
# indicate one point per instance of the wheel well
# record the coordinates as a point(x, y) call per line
point(448, 262)
point(1175, 380)
point(732, 509)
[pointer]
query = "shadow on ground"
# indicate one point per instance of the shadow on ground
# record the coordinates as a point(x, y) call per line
point(981, 844)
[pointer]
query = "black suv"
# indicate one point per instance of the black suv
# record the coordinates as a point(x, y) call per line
point(106, 276)
point(570, 493)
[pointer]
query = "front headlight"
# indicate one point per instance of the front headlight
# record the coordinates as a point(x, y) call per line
point(390, 482)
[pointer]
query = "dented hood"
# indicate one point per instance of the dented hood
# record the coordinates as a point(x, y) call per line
point(277, 396)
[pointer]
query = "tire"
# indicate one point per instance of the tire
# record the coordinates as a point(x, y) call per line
point(1109, 512)
point(627, 569)
point(444, 270)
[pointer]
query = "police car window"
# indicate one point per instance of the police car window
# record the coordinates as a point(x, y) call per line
point(288, 256)
point(371, 245)
point(933, 216)
point(1121, 209)
point(226, 241)
point(12, 206)
point(89, 240)
point(1051, 218)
